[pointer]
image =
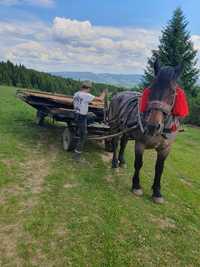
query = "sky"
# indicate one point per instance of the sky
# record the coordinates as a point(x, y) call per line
point(113, 36)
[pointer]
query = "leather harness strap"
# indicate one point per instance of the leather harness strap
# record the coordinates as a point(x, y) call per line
point(160, 105)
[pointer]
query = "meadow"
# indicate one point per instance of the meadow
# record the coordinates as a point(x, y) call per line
point(55, 212)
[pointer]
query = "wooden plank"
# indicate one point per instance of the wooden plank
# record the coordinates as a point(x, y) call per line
point(62, 99)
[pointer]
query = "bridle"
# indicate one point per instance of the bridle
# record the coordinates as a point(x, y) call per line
point(161, 106)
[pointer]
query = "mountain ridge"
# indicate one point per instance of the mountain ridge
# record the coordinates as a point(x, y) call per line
point(125, 80)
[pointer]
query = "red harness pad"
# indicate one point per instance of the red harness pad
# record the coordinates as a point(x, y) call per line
point(144, 100)
point(180, 108)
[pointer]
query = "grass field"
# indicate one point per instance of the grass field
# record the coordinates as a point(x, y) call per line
point(54, 212)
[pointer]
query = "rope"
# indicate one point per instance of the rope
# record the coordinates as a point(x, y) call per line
point(111, 135)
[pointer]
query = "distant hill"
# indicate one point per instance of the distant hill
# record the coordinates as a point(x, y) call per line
point(126, 80)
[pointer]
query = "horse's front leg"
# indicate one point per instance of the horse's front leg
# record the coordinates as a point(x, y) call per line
point(115, 163)
point(139, 151)
point(161, 157)
point(123, 143)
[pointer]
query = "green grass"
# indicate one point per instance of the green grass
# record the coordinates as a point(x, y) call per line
point(54, 212)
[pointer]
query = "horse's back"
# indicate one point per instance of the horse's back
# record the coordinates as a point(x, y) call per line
point(123, 109)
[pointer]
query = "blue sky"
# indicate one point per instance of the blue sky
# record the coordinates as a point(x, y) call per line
point(84, 35)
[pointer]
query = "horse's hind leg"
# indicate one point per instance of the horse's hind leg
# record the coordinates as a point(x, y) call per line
point(115, 163)
point(139, 151)
point(123, 143)
point(161, 157)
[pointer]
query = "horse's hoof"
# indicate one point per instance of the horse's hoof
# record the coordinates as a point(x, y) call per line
point(158, 200)
point(115, 164)
point(123, 165)
point(138, 192)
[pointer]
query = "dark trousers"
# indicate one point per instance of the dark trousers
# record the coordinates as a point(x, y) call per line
point(81, 131)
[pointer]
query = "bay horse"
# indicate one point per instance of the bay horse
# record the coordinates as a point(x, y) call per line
point(150, 136)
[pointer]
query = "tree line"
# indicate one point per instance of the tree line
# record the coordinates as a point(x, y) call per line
point(20, 76)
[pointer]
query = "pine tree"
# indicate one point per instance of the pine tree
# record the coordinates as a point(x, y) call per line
point(176, 48)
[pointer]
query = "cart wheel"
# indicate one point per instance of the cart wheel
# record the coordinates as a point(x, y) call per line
point(108, 145)
point(40, 118)
point(68, 141)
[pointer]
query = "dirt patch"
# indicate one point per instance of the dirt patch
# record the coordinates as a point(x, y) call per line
point(35, 170)
point(164, 223)
point(67, 186)
point(61, 231)
point(7, 192)
point(186, 182)
point(8, 162)
point(106, 157)
point(30, 203)
point(109, 178)
point(40, 259)
point(9, 235)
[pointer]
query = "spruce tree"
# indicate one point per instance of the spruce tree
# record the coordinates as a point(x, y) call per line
point(176, 48)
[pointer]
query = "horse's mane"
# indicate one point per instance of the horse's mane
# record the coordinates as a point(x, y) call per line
point(162, 83)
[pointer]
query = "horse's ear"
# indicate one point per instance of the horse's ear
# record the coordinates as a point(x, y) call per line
point(156, 66)
point(178, 69)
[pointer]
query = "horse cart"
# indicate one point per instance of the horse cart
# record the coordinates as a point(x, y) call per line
point(60, 108)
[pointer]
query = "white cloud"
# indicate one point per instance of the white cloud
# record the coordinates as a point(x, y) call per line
point(42, 3)
point(196, 42)
point(65, 29)
point(21, 29)
point(78, 46)
point(71, 44)
point(29, 50)
point(106, 45)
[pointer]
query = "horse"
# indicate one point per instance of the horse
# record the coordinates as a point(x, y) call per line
point(150, 133)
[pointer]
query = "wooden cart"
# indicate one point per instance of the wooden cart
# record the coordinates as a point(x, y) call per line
point(60, 108)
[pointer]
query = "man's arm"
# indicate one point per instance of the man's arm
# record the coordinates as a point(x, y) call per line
point(101, 97)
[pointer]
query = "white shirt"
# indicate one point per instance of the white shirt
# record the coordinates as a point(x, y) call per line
point(81, 101)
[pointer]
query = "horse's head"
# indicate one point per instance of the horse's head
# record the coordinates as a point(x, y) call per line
point(161, 98)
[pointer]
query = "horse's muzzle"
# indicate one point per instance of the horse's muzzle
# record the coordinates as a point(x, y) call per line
point(153, 129)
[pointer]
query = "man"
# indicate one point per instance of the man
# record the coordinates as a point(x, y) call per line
point(81, 100)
